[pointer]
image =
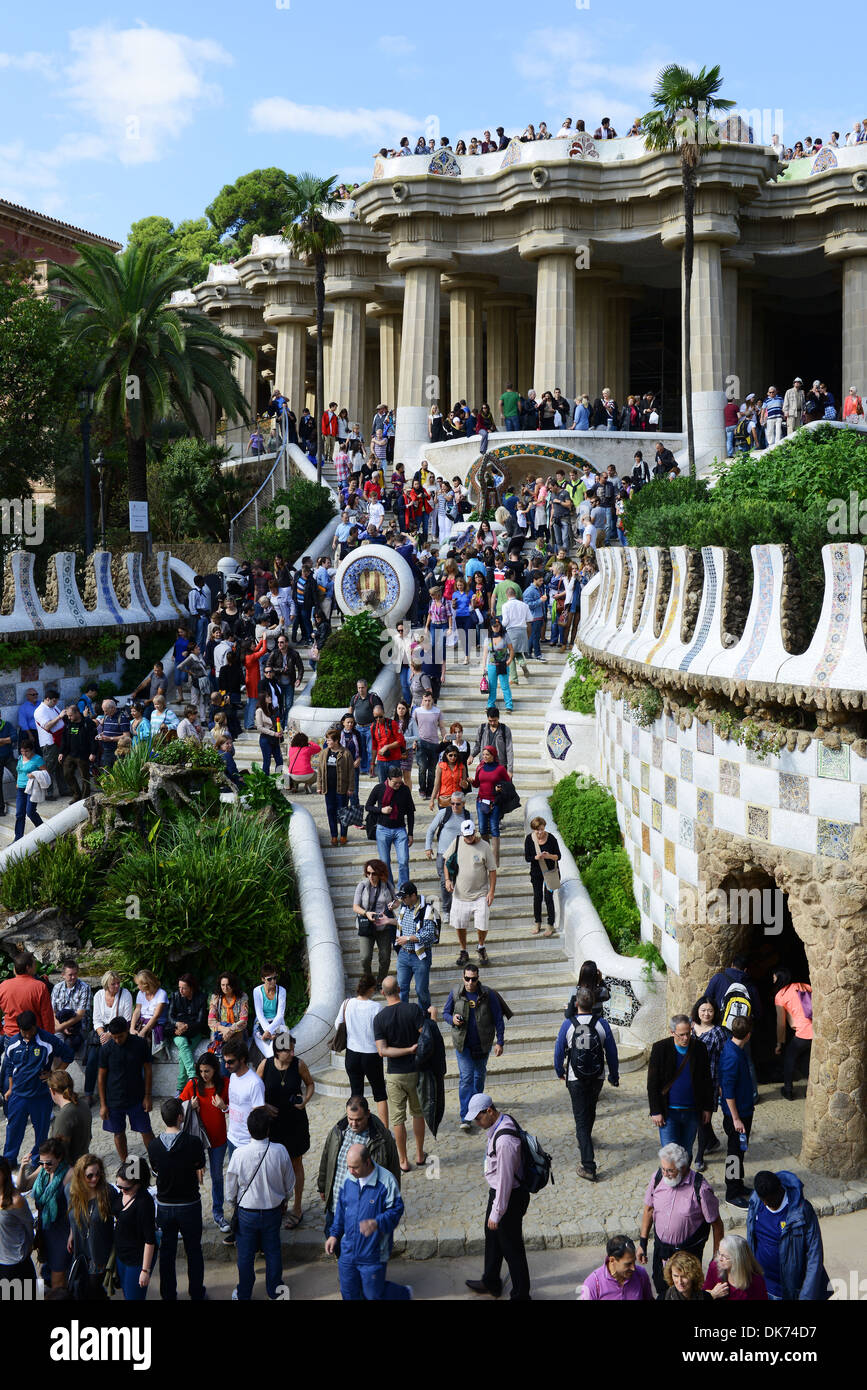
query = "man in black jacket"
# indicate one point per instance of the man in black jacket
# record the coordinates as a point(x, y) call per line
point(178, 1160)
point(492, 732)
point(663, 462)
point(358, 1126)
point(76, 752)
point(392, 811)
point(186, 1023)
point(679, 1086)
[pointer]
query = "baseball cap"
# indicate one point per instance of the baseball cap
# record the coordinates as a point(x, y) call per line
point(478, 1104)
point(406, 890)
point(800, 378)
point(468, 827)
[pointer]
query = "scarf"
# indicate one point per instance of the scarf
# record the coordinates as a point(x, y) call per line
point(46, 1191)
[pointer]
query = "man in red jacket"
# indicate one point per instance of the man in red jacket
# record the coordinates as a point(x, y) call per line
point(22, 992)
point(329, 429)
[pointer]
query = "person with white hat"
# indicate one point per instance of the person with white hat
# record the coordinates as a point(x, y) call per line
point(507, 1202)
point(793, 406)
point(471, 878)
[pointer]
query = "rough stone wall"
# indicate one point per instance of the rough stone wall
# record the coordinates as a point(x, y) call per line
point(692, 591)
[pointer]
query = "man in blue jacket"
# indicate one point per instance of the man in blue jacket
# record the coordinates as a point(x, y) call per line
point(736, 1086)
point(29, 1058)
point(584, 1044)
point(369, 1207)
point(784, 1235)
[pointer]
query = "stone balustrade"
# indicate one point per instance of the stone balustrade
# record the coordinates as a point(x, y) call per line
point(101, 606)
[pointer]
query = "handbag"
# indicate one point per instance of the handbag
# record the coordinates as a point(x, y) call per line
point(483, 686)
point(192, 1125)
point(364, 925)
point(339, 1043)
point(551, 876)
point(350, 815)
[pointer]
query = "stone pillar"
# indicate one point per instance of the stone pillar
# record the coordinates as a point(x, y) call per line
point(290, 367)
point(730, 323)
point(501, 313)
point(525, 331)
point(616, 356)
point(345, 376)
point(465, 335)
point(854, 320)
point(244, 370)
point(707, 338)
point(372, 398)
point(555, 322)
point(744, 342)
point(389, 317)
point(590, 331)
point(421, 262)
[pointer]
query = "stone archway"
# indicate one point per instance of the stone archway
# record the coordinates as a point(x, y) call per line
point(516, 462)
point(827, 899)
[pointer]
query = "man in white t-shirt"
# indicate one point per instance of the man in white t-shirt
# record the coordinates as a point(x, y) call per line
point(516, 618)
point(473, 891)
point(246, 1091)
point(48, 718)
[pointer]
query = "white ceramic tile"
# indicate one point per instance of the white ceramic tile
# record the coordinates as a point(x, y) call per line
point(835, 800)
point(793, 830)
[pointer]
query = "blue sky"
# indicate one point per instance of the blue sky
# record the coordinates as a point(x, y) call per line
point(112, 119)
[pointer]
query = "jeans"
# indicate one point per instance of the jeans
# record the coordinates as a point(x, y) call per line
point(404, 684)
point(560, 527)
point(681, 1127)
point(610, 525)
point(23, 808)
point(269, 747)
point(128, 1276)
point(536, 637)
point(216, 1159)
point(472, 1072)
point(507, 1243)
point(426, 756)
point(489, 819)
point(584, 1096)
point(385, 838)
point(367, 1283)
point(186, 1222)
point(363, 731)
point(254, 1228)
point(503, 677)
point(381, 766)
point(201, 630)
point(334, 802)
point(513, 422)
point(410, 965)
point(730, 441)
point(19, 1108)
point(735, 1185)
point(250, 714)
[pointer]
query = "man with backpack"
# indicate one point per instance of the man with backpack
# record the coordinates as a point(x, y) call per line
point(418, 931)
point(508, 1200)
point(476, 1019)
point(680, 1091)
point(680, 1207)
point(735, 996)
point(584, 1044)
point(736, 1088)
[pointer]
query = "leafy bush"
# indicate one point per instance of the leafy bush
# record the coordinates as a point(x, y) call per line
point(194, 496)
point(579, 692)
point(55, 875)
point(608, 880)
point(289, 523)
point(351, 653)
point(186, 752)
point(128, 775)
point(205, 891)
point(263, 791)
point(645, 701)
point(586, 815)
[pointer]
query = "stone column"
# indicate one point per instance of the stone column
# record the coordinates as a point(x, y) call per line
point(525, 330)
point(501, 312)
point(421, 262)
point(590, 331)
point(617, 346)
point(289, 309)
point(854, 320)
point(345, 376)
point(707, 352)
point(372, 398)
point(744, 342)
point(730, 323)
point(244, 370)
point(389, 317)
point(555, 322)
point(465, 335)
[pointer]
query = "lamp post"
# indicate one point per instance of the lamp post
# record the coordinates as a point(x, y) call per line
point(99, 465)
point(85, 406)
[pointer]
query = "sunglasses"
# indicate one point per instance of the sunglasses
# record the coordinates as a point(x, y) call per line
point(268, 979)
point(92, 1177)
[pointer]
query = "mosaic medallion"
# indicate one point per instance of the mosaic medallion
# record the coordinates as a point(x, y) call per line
point(558, 741)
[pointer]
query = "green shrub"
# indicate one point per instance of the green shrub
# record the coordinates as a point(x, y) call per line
point(263, 791)
point(128, 775)
point(203, 892)
point(645, 701)
point(289, 523)
point(55, 875)
point(351, 653)
point(579, 692)
point(586, 815)
point(608, 880)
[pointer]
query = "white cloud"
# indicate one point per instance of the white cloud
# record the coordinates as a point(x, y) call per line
point(398, 45)
point(141, 87)
point(43, 63)
point(589, 85)
point(379, 127)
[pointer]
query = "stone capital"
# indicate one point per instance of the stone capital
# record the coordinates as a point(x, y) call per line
point(737, 258)
point(385, 309)
point(348, 287)
point(453, 283)
point(713, 227)
point(845, 245)
point(535, 244)
point(301, 314)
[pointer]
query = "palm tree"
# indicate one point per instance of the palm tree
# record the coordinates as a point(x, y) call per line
point(684, 104)
point(152, 359)
point(312, 234)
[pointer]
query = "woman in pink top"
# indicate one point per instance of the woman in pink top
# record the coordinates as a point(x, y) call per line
point(794, 1008)
point(299, 763)
point(733, 1272)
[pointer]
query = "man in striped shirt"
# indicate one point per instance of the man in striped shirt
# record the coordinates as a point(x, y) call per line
point(772, 411)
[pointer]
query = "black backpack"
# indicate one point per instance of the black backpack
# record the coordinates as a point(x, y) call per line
point(536, 1164)
point(586, 1050)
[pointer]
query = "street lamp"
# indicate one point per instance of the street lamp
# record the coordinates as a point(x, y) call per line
point(99, 465)
point(85, 405)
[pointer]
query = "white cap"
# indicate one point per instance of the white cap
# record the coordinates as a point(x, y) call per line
point(468, 828)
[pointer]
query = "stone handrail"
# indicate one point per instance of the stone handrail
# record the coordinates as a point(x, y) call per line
point(70, 616)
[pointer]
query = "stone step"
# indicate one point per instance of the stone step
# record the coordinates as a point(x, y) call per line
point(509, 950)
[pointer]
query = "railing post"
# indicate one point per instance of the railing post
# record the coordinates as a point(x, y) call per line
point(256, 510)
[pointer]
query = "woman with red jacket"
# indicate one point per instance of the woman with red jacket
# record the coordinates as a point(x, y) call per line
point(389, 744)
point(489, 775)
point(252, 676)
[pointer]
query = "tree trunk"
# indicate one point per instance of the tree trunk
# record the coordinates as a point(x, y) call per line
point(686, 336)
point(320, 360)
point(137, 486)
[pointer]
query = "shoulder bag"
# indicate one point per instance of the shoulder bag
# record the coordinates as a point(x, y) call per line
point(339, 1042)
point(234, 1223)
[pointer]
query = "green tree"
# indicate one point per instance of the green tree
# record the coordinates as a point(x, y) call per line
point(194, 495)
point(194, 242)
point(684, 104)
point(151, 360)
point(312, 234)
point(256, 204)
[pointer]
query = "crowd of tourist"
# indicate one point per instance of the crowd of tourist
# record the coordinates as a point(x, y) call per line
point(488, 143)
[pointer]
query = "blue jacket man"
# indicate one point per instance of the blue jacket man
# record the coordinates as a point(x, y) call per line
point(29, 1057)
point(369, 1207)
point(736, 1087)
point(784, 1235)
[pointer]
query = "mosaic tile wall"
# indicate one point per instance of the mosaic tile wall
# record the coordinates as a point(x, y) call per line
point(666, 779)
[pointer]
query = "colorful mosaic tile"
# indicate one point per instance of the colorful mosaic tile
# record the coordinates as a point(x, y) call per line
point(645, 777)
point(657, 752)
point(668, 855)
point(656, 814)
point(636, 859)
point(686, 832)
point(704, 807)
point(794, 792)
point(625, 763)
point(636, 736)
point(834, 762)
point(558, 741)
point(729, 778)
point(627, 712)
point(834, 839)
point(671, 728)
point(758, 822)
point(670, 924)
point(657, 878)
point(645, 897)
point(619, 734)
point(686, 764)
point(703, 737)
point(645, 838)
point(670, 790)
point(636, 805)
point(619, 787)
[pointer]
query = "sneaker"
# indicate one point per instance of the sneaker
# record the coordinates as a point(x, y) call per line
point(466, 1126)
point(587, 1173)
point(222, 1225)
point(483, 956)
point(699, 1166)
point(739, 1200)
point(463, 958)
point(228, 1238)
point(235, 1294)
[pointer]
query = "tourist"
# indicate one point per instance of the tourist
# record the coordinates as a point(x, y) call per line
point(270, 735)
point(396, 1030)
point(738, 1107)
point(289, 1089)
point(71, 1124)
point(493, 733)
point(351, 741)
point(186, 1025)
point(417, 933)
point(189, 727)
point(471, 878)
point(25, 720)
point(361, 706)
point(48, 717)
point(451, 777)
point(228, 1012)
point(335, 779)
point(534, 597)
point(584, 1045)
point(110, 1001)
point(16, 1236)
point(29, 762)
point(76, 753)
point(853, 410)
point(772, 416)
point(391, 810)
point(619, 1279)
point(373, 920)
point(794, 1006)
point(680, 1207)
point(490, 780)
point(162, 718)
point(542, 852)
point(366, 1213)
point(177, 1159)
point(605, 131)
point(431, 733)
point(23, 991)
point(49, 1184)
point(734, 995)
point(706, 1027)
point(358, 1126)
point(679, 1087)
point(157, 683)
point(91, 1223)
point(139, 727)
point(149, 1014)
point(28, 1059)
point(590, 977)
point(497, 657)
point(507, 1202)
point(362, 1058)
point(784, 1235)
point(388, 744)
point(407, 728)
point(794, 402)
point(734, 1273)
point(476, 1018)
point(202, 1094)
point(259, 1182)
point(269, 1008)
point(125, 1082)
point(517, 618)
point(135, 1239)
point(72, 1002)
point(683, 1279)
point(443, 830)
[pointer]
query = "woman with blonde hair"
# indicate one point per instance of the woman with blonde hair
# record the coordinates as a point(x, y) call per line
point(148, 1016)
point(91, 1222)
point(682, 1274)
point(734, 1272)
point(110, 1001)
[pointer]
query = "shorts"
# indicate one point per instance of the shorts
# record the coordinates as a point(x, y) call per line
point(400, 1088)
point(466, 915)
point(139, 1120)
